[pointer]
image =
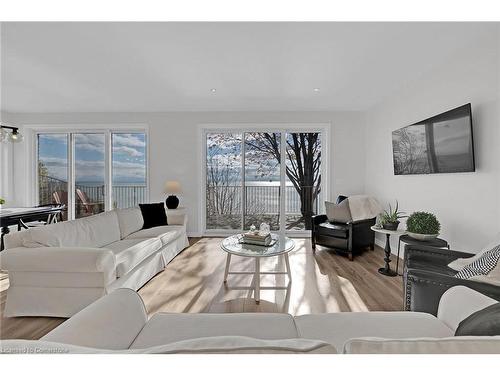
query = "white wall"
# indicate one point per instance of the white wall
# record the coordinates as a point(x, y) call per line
point(174, 147)
point(467, 204)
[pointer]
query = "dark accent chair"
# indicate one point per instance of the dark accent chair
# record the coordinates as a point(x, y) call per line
point(348, 238)
point(426, 277)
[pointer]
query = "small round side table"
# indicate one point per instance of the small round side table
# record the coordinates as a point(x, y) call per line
point(407, 239)
point(386, 270)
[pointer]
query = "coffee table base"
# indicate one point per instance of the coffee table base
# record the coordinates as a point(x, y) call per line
point(256, 287)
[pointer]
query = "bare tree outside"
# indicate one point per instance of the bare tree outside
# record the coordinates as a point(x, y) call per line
point(303, 166)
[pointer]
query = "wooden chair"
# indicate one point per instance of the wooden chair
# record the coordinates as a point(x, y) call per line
point(89, 207)
point(61, 198)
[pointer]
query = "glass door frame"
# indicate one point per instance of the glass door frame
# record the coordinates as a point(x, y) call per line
point(34, 130)
point(283, 129)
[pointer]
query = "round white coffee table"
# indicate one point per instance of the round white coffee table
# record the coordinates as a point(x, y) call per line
point(233, 246)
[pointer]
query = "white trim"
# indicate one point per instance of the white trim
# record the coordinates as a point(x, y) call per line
point(71, 177)
point(281, 127)
point(85, 127)
point(108, 171)
point(282, 205)
point(243, 180)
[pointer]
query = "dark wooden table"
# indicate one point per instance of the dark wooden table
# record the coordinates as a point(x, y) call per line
point(407, 239)
point(21, 215)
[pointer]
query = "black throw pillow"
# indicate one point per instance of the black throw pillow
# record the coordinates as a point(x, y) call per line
point(153, 214)
point(485, 322)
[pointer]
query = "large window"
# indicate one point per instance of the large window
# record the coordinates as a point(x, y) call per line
point(128, 169)
point(90, 172)
point(255, 177)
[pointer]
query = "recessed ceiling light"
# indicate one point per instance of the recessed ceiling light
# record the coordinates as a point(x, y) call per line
point(316, 89)
point(213, 90)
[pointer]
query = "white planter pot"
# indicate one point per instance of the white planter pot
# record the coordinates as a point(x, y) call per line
point(422, 237)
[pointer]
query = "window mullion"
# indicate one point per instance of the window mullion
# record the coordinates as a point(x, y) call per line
point(243, 185)
point(108, 188)
point(282, 182)
point(71, 177)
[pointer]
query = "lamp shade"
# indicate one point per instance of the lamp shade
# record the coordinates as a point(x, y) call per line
point(15, 137)
point(172, 187)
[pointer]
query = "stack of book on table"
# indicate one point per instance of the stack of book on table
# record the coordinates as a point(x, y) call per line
point(257, 239)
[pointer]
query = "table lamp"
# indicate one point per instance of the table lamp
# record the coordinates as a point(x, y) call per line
point(172, 188)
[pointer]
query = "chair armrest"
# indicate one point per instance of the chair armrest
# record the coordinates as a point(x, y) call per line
point(111, 322)
point(452, 309)
point(371, 222)
point(58, 259)
point(318, 219)
point(423, 289)
point(419, 253)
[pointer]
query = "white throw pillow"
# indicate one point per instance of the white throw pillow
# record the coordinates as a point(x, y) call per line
point(130, 220)
point(339, 213)
point(460, 263)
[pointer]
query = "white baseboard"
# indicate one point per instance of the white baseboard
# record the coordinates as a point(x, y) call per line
point(379, 242)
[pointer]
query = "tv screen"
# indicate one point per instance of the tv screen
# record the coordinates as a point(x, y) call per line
point(440, 144)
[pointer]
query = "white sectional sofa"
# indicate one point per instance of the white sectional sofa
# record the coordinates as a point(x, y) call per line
point(118, 323)
point(58, 269)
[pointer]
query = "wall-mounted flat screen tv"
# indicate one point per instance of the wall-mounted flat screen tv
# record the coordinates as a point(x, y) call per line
point(440, 144)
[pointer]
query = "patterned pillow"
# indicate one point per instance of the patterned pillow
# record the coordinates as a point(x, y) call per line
point(481, 266)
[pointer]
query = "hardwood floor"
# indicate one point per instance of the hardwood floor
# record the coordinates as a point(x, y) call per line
point(192, 283)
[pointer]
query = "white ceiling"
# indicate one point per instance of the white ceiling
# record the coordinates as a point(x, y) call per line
point(142, 67)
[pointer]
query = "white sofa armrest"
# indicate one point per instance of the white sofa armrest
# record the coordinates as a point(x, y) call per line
point(458, 303)
point(58, 259)
point(112, 322)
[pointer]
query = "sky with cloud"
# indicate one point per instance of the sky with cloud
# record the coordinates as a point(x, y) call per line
point(129, 157)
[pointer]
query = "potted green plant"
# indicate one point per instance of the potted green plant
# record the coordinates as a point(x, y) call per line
point(423, 226)
point(389, 219)
point(2, 202)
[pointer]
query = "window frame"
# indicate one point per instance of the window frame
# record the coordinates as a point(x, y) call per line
point(282, 128)
point(33, 131)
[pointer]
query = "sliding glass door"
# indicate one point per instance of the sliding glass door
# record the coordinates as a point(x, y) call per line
point(129, 177)
point(303, 179)
point(223, 181)
point(262, 177)
point(53, 169)
point(90, 172)
point(262, 183)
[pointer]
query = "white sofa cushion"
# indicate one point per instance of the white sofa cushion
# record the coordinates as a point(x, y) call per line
point(424, 345)
point(130, 252)
point(165, 233)
point(337, 328)
point(130, 220)
point(93, 231)
point(165, 328)
point(215, 345)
